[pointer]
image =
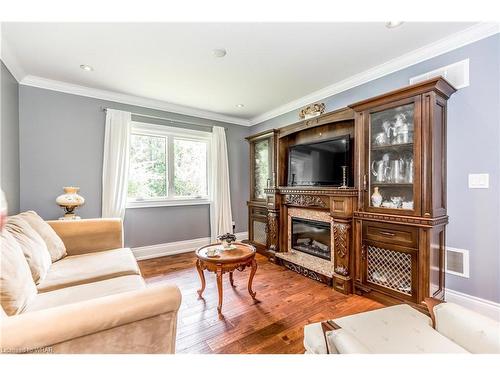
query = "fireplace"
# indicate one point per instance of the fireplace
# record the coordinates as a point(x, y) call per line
point(311, 237)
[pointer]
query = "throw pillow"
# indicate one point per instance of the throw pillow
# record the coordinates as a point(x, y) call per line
point(16, 283)
point(32, 245)
point(54, 243)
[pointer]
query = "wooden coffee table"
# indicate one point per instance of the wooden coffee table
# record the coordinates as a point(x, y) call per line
point(226, 261)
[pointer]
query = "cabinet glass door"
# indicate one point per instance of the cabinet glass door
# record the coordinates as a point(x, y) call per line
point(391, 158)
point(262, 170)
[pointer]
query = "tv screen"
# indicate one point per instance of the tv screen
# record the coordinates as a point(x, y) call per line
point(319, 163)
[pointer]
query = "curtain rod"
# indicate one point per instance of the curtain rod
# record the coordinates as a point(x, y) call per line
point(166, 119)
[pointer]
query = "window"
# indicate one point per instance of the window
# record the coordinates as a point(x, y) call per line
point(168, 166)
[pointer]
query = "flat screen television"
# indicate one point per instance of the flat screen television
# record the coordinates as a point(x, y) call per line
point(320, 163)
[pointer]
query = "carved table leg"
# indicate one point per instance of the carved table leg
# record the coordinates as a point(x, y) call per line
point(219, 287)
point(250, 279)
point(231, 280)
point(202, 277)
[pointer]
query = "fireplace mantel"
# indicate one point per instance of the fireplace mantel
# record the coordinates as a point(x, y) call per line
point(315, 190)
point(328, 204)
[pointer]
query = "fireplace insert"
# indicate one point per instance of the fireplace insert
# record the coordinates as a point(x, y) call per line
point(311, 237)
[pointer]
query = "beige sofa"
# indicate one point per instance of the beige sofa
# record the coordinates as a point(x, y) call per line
point(401, 329)
point(93, 300)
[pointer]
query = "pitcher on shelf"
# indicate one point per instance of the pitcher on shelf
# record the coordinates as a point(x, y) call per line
point(380, 168)
point(401, 129)
point(396, 171)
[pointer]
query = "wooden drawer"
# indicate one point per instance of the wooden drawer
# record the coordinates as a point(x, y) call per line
point(391, 233)
point(259, 212)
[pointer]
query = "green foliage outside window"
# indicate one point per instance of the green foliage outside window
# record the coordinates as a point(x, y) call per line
point(148, 167)
point(148, 171)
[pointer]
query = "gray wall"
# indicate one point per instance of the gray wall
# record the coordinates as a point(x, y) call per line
point(62, 138)
point(473, 147)
point(9, 135)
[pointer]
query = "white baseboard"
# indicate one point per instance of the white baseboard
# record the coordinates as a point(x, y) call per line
point(482, 306)
point(178, 247)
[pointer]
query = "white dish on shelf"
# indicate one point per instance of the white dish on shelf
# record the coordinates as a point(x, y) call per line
point(408, 205)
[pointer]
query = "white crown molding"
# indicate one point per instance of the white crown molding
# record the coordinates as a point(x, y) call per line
point(472, 34)
point(70, 88)
point(454, 41)
point(178, 247)
point(10, 61)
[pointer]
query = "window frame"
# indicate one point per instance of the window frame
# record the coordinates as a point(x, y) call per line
point(171, 133)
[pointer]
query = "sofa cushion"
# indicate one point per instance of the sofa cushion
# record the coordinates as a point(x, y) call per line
point(33, 246)
point(87, 268)
point(469, 329)
point(397, 329)
point(78, 293)
point(17, 287)
point(54, 243)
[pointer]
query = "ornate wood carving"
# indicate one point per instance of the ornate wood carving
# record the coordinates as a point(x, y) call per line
point(304, 200)
point(273, 230)
point(312, 110)
point(341, 233)
point(306, 272)
point(350, 192)
point(417, 221)
point(341, 238)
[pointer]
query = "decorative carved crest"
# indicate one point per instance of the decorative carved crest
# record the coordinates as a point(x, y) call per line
point(341, 238)
point(311, 111)
point(304, 200)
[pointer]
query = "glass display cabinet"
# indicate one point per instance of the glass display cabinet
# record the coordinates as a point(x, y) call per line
point(262, 176)
point(400, 224)
point(391, 157)
point(393, 135)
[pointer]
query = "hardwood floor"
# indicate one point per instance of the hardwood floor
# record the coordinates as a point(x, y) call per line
point(286, 301)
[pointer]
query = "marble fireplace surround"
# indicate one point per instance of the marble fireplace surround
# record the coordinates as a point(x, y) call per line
point(311, 262)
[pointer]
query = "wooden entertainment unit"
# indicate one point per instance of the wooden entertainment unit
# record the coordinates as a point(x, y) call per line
point(386, 229)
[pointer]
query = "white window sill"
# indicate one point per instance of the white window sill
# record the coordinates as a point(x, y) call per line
point(168, 203)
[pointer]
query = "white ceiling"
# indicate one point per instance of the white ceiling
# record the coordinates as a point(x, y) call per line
point(267, 65)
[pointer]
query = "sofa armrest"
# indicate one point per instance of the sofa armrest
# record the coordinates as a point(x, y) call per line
point(47, 328)
point(89, 235)
point(472, 331)
point(342, 342)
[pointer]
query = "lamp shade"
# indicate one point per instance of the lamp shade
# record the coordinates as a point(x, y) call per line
point(70, 200)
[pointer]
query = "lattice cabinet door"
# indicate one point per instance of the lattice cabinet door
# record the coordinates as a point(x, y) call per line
point(390, 269)
point(259, 232)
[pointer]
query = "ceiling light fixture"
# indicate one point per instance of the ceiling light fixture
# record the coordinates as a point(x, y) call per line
point(240, 105)
point(219, 52)
point(393, 24)
point(87, 68)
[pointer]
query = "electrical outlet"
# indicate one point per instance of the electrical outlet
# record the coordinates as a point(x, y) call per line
point(479, 180)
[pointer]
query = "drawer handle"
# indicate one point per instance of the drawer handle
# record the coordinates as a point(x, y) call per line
point(387, 234)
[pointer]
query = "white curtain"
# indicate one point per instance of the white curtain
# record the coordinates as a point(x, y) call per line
point(220, 210)
point(115, 163)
